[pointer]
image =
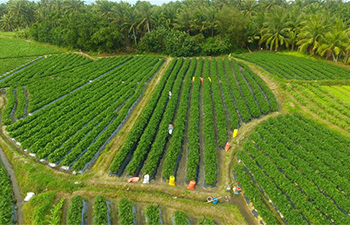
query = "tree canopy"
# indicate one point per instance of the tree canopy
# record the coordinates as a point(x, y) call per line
point(185, 28)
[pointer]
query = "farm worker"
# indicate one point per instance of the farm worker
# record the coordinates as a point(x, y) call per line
point(171, 128)
point(202, 80)
point(209, 79)
point(172, 181)
point(169, 94)
point(146, 179)
point(191, 184)
point(193, 78)
point(227, 147)
point(235, 133)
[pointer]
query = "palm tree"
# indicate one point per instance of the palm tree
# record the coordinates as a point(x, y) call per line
point(105, 8)
point(276, 29)
point(210, 22)
point(183, 20)
point(312, 32)
point(144, 12)
point(6, 23)
point(21, 11)
point(335, 42)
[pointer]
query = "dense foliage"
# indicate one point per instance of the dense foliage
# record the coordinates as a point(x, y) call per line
point(224, 84)
point(180, 218)
point(185, 28)
point(299, 167)
point(293, 67)
point(152, 215)
point(6, 197)
point(41, 206)
point(74, 215)
point(126, 215)
point(100, 211)
point(57, 213)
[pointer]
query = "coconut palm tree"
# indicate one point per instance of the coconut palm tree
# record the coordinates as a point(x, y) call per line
point(276, 29)
point(312, 32)
point(6, 23)
point(335, 42)
point(144, 13)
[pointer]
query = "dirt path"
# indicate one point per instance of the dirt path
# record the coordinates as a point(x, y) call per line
point(85, 55)
point(223, 212)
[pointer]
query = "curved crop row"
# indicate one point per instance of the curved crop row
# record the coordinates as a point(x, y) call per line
point(21, 102)
point(236, 92)
point(292, 153)
point(247, 94)
point(11, 101)
point(267, 91)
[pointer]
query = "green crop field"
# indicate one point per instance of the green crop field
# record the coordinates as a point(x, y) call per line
point(65, 108)
point(77, 129)
point(297, 68)
point(203, 115)
point(330, 103)
point(17, 48)
point(297, 167)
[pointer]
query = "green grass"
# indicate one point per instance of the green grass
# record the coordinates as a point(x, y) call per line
point(7, 34)
point(14, 48)
point(38, 208)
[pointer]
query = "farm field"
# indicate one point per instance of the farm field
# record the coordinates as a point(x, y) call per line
point(107, 119)
point(296, 68)
point(66, 115)
point(299, 168)
point(16, 53)
point(330, 103)
point(16, 48)
point(204, 114)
